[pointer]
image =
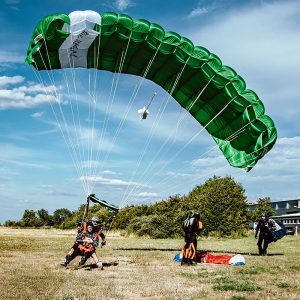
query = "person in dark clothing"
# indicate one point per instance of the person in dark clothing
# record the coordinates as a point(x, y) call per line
point(192, 226)
point(264, 237)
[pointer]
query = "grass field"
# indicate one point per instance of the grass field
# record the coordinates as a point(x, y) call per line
point(143, 269)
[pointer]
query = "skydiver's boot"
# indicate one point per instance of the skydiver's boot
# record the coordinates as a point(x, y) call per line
point(83, 260)
point(260, 250)
point(183, 261)
point(66, 260)
point(99, 265)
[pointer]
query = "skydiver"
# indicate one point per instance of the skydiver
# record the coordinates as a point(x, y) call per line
point(263, 227)
point(192, 226)
point(96, 230)
point(87, 243)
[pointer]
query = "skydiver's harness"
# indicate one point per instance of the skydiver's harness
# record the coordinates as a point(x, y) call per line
point(88, 247)
point(190, 226)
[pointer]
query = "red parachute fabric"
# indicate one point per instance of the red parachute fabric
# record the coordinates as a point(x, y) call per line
point(213, 259)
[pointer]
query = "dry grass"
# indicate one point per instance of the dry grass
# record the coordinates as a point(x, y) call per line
point(30, 269)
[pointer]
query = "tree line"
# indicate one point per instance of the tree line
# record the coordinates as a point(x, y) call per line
point(220, 200)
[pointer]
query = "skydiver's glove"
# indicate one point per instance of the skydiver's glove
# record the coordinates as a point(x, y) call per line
point(103, 243)
point(256, 236)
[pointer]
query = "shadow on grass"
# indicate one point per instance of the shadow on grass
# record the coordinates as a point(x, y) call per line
point(93, 266)
point(208, 250)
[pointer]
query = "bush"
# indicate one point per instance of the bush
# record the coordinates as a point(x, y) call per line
point(154, 226)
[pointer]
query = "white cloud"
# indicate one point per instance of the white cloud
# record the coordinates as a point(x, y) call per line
point(123, 4)
point(6, 80)
point(37, 114)
point(8, 57)
point(147, 195)
point(197, 12)
point(26, 96)
point(108, 181)
point(178, 174)
point(107, 172)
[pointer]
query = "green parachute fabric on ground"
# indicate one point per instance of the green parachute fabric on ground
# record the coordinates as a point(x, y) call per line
point(214, 94)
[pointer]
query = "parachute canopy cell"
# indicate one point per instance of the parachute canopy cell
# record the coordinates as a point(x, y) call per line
point(214, 94)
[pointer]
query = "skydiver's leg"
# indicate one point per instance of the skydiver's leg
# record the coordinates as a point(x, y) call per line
point(74, 247)
point(98, 263)
point(183, 253)
point(266, 244)
point(195, 242)
point(259, 244)
point(193, 253)
point(95, 257)
point(70, 257)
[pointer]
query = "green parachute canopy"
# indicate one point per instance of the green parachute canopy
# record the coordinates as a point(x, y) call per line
point(214, 94)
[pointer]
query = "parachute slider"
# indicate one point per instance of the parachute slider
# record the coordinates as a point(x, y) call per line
point(144, 112)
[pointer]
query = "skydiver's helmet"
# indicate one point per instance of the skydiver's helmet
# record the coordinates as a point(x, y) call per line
point(89, 225)
point(197, 215)
point(95, 220)
point(264, 215)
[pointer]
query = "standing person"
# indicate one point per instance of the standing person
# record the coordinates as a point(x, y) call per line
point(264, 237)
point(87, 242)
point(191, 226)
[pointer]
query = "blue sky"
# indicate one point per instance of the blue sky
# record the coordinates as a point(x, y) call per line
point(142, 162)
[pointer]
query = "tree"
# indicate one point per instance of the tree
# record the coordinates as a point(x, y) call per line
point(154, 226)
point(222, 204)
point(263, 205)
point(60, 215)
point(30, 219)
point(45, 218)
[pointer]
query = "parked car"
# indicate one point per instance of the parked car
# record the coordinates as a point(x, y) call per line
point(290, 230)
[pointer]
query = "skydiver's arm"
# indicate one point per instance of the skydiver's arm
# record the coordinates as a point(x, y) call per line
point(79, 238)
point(257, 228)
point(95, 242)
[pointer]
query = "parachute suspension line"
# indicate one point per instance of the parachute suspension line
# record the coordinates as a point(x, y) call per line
point(76, 139)
point(90, 134)
point(166, 141)
point(103, 130)
point(77, 123)
point(69, 145)
point(180, 150)
point(96, 50)
point(151, 100)
point(133, 97)
point(193, 103)
point(146, 145)
point(75, 144)
point(233, 136)
point(51, 77)
point(111, 101)
point(213, 172)
point(79, 161)
point(78, 150)
point(125, 197)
